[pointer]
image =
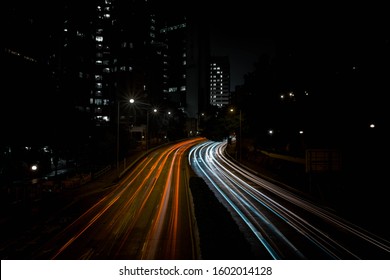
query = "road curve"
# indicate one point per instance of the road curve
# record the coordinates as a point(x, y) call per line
point(147, 215)
point(278, 220)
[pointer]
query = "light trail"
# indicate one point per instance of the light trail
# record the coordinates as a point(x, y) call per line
point(146, 216)
point(291, 227)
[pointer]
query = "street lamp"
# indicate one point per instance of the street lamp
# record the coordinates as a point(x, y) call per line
point(147, 127)
point(133, 101)
point(117, 132)
point(240, 133)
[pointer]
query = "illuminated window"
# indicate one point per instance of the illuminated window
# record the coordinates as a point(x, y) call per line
point(183, 88)
point(99, 38)
point(80, 34)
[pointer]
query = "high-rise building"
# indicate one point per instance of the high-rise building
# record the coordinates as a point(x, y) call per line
point(106, 51)
point(174, 35)
point(198, 59)
point(219, 81)
point(185, 64)
point(122, 34)
point(28, 78)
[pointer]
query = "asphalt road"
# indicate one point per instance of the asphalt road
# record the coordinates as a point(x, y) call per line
point(278, 219)
point(147, 214)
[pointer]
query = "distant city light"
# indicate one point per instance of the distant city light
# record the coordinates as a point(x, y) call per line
point(34, 167)
point(301, 132)
point(132, 100)
point(270, 131)
point(372, 125)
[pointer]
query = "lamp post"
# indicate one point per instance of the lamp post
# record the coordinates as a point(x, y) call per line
point(147, 128)
point(240, 133)
point(117, 132)
point(147, 119)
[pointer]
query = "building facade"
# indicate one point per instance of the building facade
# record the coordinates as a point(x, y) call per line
point(219, 81)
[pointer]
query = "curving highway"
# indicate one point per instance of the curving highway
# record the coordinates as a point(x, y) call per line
point(276, 219)
point(147, 215)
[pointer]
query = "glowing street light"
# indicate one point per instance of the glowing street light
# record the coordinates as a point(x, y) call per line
point(117, 132)
point(34, 167)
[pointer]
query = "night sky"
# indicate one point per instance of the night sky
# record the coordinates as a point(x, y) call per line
point(249, 29)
